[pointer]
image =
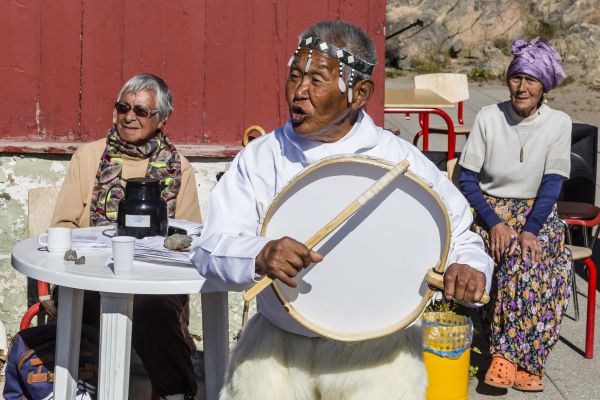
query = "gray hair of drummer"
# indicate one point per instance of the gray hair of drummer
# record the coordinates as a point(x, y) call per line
point(152, 83)
point(348, 37)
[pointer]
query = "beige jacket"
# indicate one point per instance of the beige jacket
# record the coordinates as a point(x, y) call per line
point(73, 205)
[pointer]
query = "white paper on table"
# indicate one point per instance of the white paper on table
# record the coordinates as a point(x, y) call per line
point(192, 228)
point(153, 248)
point(87, 239)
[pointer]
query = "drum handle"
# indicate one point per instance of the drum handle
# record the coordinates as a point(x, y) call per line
point(372, 191)
point(436, 280)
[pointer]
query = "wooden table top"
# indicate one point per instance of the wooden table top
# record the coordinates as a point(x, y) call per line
point(414, 98)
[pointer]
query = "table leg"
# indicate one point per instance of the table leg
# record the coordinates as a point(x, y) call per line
point(591, 308)
point(451, 133)
point(116, 310)
point(68, 338)
point(425, 128)
point(215, 330)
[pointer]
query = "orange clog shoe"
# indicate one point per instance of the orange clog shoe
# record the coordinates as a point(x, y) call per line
point(501, 373)
point(527, 382)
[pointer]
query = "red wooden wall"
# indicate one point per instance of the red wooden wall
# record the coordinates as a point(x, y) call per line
point(63, 62)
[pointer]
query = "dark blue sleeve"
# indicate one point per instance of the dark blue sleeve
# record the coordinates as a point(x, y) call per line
point(547, 195)
point(469, 185)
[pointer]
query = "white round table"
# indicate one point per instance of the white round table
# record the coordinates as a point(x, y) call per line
point(116, 311)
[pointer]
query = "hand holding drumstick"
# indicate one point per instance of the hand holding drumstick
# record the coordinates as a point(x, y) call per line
point(284, 258)
point(464, 283)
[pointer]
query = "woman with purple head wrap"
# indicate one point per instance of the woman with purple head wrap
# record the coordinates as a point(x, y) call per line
point(539, 60)
point(513, 167)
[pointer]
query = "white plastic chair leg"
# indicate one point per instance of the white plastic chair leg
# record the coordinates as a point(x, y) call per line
point(3, 342)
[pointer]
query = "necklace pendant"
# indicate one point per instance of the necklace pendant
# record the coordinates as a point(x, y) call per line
point(521, 155)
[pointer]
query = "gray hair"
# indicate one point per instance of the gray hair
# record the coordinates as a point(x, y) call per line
point(149, 82)
point(348, 37)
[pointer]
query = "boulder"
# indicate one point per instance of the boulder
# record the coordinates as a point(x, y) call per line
point(456, 48)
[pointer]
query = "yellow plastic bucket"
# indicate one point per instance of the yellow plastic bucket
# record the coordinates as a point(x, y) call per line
point(447, 340)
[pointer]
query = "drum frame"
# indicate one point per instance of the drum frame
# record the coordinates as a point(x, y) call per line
point(438, 268)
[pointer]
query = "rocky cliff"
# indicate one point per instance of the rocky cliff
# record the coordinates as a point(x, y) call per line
point(474, 36)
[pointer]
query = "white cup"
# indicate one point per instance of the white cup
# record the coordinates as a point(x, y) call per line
point(57, 240)
point(122, 247)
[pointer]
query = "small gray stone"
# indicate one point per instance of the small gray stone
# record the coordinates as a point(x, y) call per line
point(80, 260)
point(178, 242)
point(70, 255)
point(456, 48)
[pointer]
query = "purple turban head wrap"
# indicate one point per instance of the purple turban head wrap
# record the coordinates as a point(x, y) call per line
point(538, 59)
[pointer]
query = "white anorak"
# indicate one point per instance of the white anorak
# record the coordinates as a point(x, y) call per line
point(230, 242)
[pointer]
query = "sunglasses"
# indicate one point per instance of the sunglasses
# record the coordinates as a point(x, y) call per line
point(139, 111)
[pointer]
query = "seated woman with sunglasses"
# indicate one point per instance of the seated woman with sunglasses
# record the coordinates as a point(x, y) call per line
point(136, 146)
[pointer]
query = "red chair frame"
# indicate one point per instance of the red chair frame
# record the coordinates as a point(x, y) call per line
point(43, 296)
point(591, 308)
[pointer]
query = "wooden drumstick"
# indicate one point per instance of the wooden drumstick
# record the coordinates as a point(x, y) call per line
point(356, 205)
point(437, 280)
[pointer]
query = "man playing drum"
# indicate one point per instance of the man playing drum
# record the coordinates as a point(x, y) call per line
point(329, 83)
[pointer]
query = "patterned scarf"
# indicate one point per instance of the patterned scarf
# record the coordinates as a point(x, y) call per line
point(163, 163)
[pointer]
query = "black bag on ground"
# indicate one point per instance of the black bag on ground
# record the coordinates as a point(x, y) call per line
point(30, 364)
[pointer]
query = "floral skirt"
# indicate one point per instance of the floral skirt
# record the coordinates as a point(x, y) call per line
point(529, 300)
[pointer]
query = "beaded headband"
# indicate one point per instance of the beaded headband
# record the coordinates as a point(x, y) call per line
point(342, 55)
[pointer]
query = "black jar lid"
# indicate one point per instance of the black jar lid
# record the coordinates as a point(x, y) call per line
point(143, 182)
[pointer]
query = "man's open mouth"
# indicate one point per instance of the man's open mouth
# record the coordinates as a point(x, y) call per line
point(297, 114)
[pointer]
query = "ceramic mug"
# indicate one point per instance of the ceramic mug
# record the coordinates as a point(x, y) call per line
point(56, 240)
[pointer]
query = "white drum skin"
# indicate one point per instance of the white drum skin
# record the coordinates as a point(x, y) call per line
point(371, 281)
